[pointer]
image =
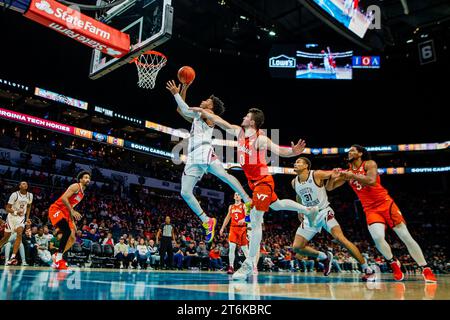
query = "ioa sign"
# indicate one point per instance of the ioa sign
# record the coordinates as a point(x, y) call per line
point(282, 61)
point(80, 27)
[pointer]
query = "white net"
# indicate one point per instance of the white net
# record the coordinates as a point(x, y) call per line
point(148, 65)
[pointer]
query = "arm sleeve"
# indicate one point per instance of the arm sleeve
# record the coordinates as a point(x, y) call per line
point(184, 107)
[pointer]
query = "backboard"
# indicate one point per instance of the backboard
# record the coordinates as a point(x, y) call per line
point(149, 24)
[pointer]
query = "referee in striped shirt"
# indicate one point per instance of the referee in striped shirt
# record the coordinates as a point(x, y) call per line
point(168, 234)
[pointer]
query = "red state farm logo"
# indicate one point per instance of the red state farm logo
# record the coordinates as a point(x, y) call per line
point(72, 18)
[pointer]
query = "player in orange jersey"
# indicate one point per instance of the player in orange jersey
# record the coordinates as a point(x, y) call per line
point(380, 209)
point(238, 230)
point(61, 213)
point(253, 145)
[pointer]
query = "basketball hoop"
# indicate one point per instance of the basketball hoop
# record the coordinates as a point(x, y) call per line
point(148, 65)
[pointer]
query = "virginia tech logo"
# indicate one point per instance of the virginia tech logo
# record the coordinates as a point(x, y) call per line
point(261, 196)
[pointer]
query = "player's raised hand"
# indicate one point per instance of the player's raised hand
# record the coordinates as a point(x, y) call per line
point(185, 86)
point(172, 87)
point(299, 147)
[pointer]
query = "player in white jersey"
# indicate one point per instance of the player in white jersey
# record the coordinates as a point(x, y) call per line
point(18, 208)
point(201, 158)
point(310, 191)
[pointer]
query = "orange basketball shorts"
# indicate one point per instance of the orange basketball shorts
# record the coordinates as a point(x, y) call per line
point(263, 193)
point(388, 213)
point(55, 214)
point(238, 235)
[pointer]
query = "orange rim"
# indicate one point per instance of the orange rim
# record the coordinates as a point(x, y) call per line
point(150, 52)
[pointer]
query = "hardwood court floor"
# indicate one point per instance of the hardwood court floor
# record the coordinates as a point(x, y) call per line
point(39, 283)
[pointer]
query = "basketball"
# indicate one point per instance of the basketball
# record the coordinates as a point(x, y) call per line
point(186, 75)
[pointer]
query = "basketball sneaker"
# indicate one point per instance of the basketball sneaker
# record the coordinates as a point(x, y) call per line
point(369, 275)
point(397, 271)
point(327, 264)
point(210, 229)
point(244, 271)
point(230, 270)
point(11, 262)
point(428, 275)
point(62, 264)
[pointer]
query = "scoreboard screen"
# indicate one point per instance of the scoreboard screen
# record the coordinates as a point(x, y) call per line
point(311, 61)
point(349, 13)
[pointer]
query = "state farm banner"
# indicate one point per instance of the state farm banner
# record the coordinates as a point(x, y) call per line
point(38, 122)
point(80, 27)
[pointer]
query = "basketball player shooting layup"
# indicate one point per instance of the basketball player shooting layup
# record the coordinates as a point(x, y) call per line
point(201, 157)
point(18, 208)
point(252, 148)
point(61, 213)
point(380, 209)
point(309, 186)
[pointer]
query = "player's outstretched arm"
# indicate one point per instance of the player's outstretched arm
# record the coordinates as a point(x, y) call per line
point(218, 121)
point(183, 92)
point(322, 175)
point(186, 112)
point(295, 149)
point(335, 180)
point(369, 179)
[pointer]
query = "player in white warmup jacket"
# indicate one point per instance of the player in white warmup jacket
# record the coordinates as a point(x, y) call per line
point(309, 186)
point(201, 158)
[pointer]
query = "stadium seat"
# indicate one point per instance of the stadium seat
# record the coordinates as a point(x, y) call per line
point(76, 255)
point(97, 258)
point(108, 254)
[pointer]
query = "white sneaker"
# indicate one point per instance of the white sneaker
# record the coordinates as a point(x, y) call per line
point(121, 266)
point(244, 271)
point(139, 267)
